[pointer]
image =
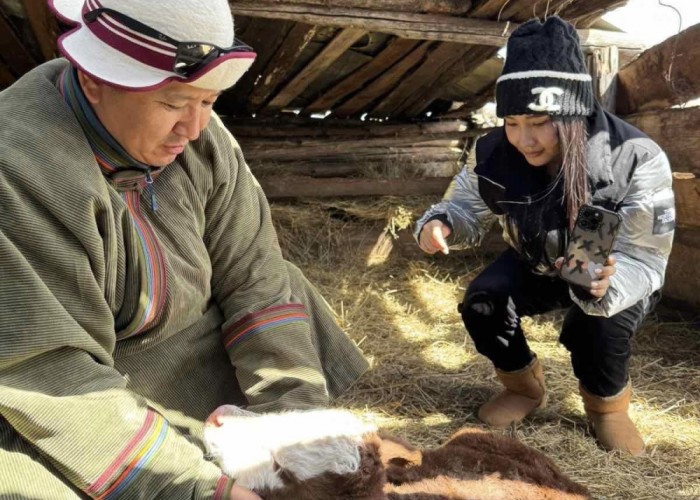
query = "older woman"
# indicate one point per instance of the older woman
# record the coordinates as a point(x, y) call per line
point(557, 151)
point(142, 282)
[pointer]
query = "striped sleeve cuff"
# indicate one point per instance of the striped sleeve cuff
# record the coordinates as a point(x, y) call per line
point(223, 488)
point(266, 319)
point(133, 459)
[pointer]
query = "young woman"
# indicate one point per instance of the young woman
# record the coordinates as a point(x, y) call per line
point(558, 150)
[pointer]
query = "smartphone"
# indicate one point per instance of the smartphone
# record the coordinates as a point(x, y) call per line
point(590, 243)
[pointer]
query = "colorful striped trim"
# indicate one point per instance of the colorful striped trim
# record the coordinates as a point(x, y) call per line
point(133, 458)
point(223, 488)
point(111, 158)
point(271, 317)
point(153, 276)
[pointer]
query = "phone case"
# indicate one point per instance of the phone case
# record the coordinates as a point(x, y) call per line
point(589, 245)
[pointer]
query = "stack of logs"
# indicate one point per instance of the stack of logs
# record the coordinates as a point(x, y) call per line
point(307, 157)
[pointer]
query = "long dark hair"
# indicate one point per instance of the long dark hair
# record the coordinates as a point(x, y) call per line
point(573, 136)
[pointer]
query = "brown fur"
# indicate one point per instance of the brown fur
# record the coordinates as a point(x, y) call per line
point(366, 484)
point(472, 465)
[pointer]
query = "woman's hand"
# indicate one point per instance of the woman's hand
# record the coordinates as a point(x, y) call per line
point(599, 286)
point(432, 237)
point(238, 493)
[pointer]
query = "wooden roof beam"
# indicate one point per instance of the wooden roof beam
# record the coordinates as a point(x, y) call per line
point(44, 26)
point(15, 55)
point(395, 50)
point(342, 42)
point(416, 26)
point(387, 81)
point(6, 77)
point(665, 75)
point(281, 64)
point(451, 7)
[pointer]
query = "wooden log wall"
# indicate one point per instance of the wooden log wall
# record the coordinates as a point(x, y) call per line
point(302, 158)
point(664, 76)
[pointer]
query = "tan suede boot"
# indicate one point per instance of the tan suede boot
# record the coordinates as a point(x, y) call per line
point(613, 427)
point(524, 393)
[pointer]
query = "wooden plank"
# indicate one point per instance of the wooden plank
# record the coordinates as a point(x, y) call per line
point(676, 131)
point(686, 188)
point(664, 75)
point(602, 65)
point(466, 30)
point(584, 14)
point(443, 56)
point(340, 130)
point(17, 58)
point(44, 26)
point(387, 81)
point(265, 37)
point(682, 273)
point(250, 144)
point(307, 187)
point(327, 169)
point(6, 77)
point(281, 64)
point(450, 7)
point(342, 42)
point(395, 50)
point(419, 101)
point(442, 152)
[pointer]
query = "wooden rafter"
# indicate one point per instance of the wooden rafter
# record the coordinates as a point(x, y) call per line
point(17, 58)
point(450, 7)
point(395, 50)
point(664, 75)
point(281, 64)
point(583, 14)
point(444, 56)
point(416, 26)
point(384, 83)
point(6, 77)
point(342, 42)
point(44, 26)
point(265, 38)
point(472, 58)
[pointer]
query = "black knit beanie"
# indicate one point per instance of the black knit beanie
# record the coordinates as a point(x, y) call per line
point(544, 72)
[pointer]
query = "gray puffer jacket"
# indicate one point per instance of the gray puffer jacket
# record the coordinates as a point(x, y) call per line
point(627, 173)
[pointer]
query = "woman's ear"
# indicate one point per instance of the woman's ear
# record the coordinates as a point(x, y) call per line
point(92, 89)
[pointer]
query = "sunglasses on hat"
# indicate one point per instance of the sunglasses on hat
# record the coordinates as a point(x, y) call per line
point(189, 57)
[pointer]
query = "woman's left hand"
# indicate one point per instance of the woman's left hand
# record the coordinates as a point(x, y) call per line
point(600, 286)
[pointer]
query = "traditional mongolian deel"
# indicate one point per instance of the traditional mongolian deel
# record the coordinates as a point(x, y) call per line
point(135, 300)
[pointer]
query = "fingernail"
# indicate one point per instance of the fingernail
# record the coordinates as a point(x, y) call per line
point(598, 271)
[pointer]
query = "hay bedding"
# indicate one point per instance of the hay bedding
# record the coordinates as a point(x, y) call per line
point(427, 380)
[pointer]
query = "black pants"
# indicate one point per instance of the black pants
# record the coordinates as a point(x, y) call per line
point(507, 289)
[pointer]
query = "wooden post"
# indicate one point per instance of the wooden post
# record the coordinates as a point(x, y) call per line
point(603, 65)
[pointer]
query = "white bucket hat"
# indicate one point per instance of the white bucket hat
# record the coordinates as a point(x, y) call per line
point(144, 44)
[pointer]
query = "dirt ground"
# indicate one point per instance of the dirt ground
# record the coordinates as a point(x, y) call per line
point(427, 380)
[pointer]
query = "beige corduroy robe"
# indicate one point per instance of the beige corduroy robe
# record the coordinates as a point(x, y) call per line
point(87, 412)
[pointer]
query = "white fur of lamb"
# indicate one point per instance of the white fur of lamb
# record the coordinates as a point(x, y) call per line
point(307, 443)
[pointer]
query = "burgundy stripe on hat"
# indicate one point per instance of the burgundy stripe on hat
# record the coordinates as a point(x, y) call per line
point(142, 48)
